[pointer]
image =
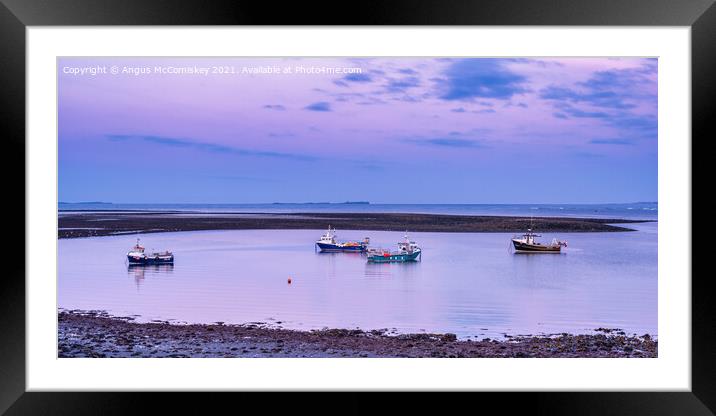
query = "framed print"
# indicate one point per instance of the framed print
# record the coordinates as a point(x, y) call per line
point(436, 197)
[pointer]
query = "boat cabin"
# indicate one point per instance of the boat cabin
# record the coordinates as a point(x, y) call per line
point(329, 237)
point(407, 246)
point(137, 249)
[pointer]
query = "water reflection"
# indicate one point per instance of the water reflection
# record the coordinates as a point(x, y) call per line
point(468, 284)
point(348, 254)
point(334, 259)
point(140, 271)
point(383, 270)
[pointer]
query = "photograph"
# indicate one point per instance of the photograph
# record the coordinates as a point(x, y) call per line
point(357, 207)
point(486, 197)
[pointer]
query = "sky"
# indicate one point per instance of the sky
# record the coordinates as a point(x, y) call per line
point(384, 130)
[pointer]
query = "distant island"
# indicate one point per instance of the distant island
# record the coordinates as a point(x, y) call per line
point(85, 203)
point(323, 203)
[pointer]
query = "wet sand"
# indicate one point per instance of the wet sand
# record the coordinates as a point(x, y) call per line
point(96, 334)
point(101, 223)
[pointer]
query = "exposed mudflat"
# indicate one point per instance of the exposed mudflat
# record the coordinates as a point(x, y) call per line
point(96, 334)
point(102, 223)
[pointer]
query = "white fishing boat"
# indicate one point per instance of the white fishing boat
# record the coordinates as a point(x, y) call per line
point(137, 256)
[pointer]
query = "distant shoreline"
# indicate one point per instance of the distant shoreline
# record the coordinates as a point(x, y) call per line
point(96, 223)
point(96, 334)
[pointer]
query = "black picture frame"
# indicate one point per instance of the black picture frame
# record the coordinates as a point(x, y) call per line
point(16, 15)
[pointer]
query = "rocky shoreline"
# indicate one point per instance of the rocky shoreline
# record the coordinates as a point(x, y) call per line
point(97, 334)
point(102, 223)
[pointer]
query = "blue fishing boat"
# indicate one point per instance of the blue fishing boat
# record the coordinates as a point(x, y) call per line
point(137, 256)
point(328, 243)
point(407, 251)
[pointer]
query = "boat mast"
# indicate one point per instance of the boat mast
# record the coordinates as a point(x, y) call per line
point(530, 235)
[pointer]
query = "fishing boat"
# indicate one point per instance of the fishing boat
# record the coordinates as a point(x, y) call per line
point(527, 244)
point(328, 243)
point(137, 256)
point(407, 251)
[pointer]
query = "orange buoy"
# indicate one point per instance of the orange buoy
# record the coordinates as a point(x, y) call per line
point(289, 280)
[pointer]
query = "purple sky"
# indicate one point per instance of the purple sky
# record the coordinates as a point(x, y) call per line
point(403, 130)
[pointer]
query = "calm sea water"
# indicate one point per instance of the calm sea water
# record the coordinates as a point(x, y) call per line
point(639, 210)
point(468, 284)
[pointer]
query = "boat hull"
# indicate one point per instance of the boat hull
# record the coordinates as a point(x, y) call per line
point(394, 258)
point(521, 247)
point(150, 260)
point(339, 247)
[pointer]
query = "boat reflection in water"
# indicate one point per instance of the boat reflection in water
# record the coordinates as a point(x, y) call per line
point(140, 271)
